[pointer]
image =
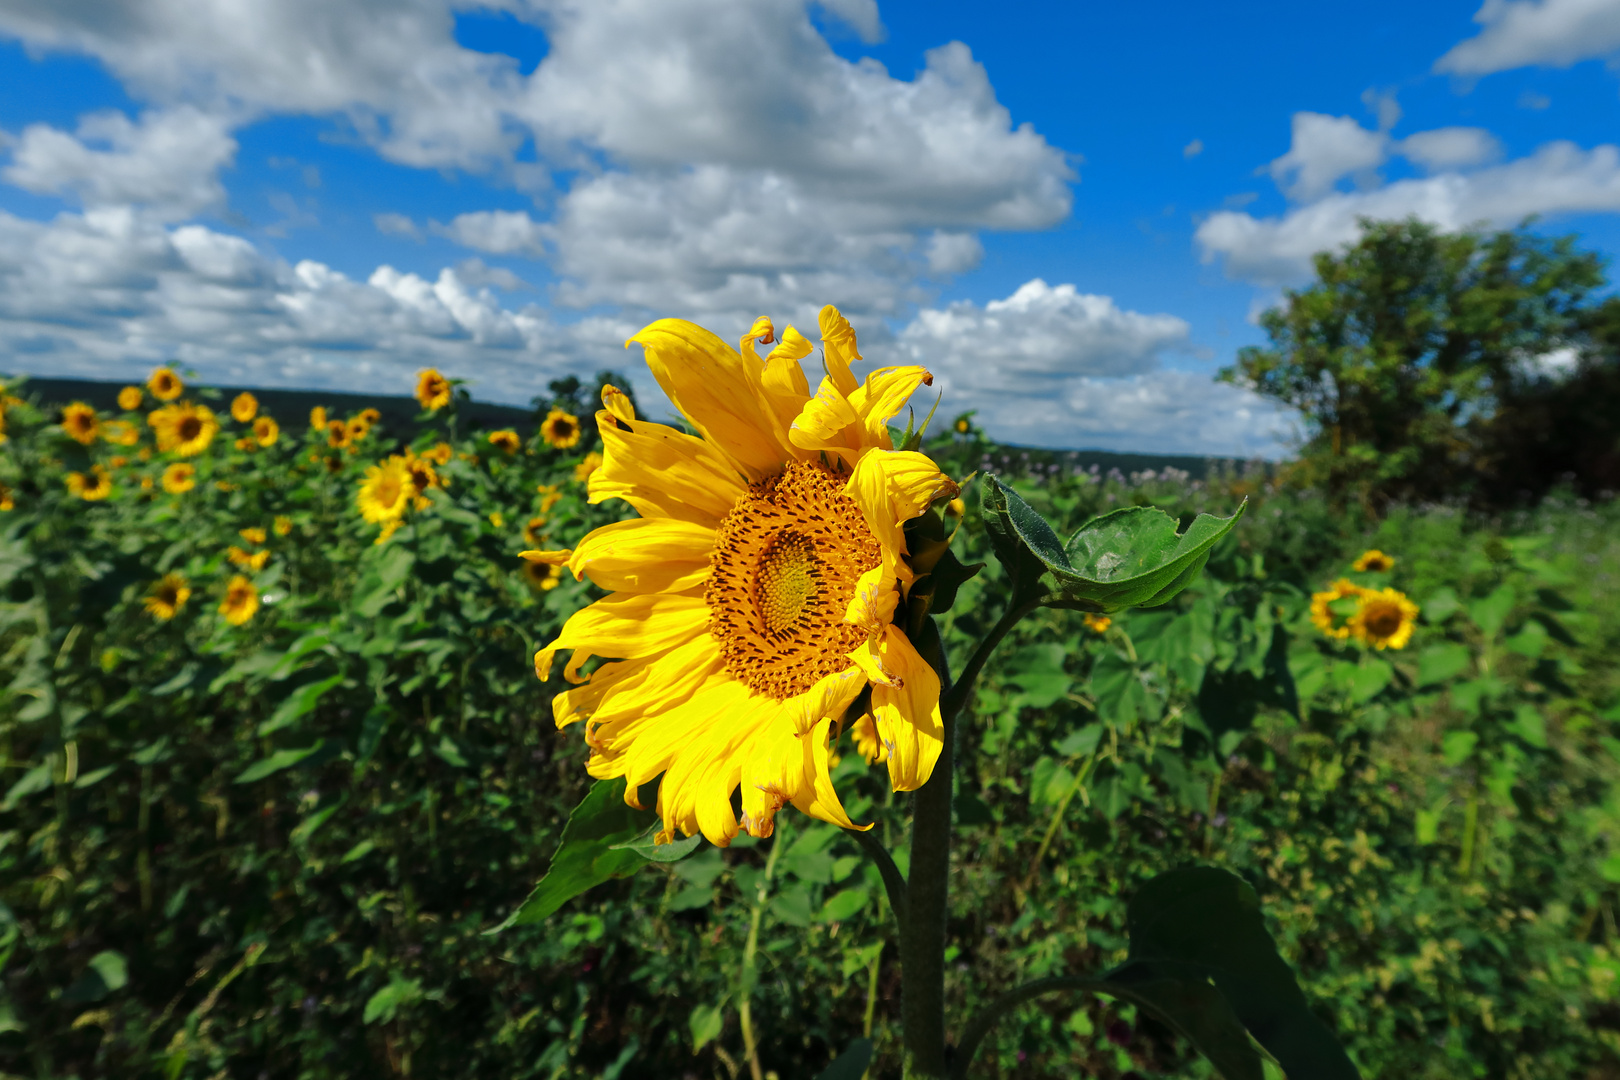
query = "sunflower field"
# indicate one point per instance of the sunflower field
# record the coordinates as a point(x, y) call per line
point(276, 764)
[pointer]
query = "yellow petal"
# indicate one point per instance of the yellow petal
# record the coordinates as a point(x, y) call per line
point(626, 626)
point(893, 486)
point(644, 555)
point(906, 708)
point(828, 422)
point(719, 390)
point(794, 346)
point(882, 396)
point(762, 331)
point(821, 800)
point(617, 402)
point(548, 558)
point(663, 473)
point(826, 700)
point(877, 593)
point(838, 345)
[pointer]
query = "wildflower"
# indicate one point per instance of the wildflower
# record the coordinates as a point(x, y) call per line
point(253, 534)
point(587, 465)
point(165, 384)
point(120, 433)
point(1373, 562)
point(254, 560)
point(496, 519)
point(758, 585)
point(241, 601)
point(532, 534)
point(92, 486)
point(317, 418)
point(1384, 619)
point(81, 423)
point(7, 502)
point(506, 441)
point(283, 525)
point(130, 398)
point(549, 494)
point(244, 407)
point(1097, 624)
point(385, 491)
point(185, 428)
point(179, 478)
point(1322, 612)
point(167, 597)
point(432, 390)
point(560, 430)
point(266, 431)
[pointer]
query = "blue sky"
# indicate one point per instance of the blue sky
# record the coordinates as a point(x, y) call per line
point(1070, 212)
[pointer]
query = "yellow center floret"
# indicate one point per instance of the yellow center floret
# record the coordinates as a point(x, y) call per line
point(785, 564)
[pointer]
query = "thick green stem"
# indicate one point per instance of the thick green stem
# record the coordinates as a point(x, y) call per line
point(922, 934)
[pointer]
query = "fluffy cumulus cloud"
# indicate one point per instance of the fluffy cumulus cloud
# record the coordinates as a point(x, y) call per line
point(1052, 366)
point(1324, 149)
point(1548, 33)
point(1450, 148)
point(496, 232)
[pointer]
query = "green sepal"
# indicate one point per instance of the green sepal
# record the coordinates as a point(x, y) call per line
point(1201, 927)
point(601, 841)
point(1131, 557)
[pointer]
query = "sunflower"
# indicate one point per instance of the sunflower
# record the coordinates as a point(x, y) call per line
point(386, 491)
point(497, 519)
point(369, 415)
point(179, 478)
point(432, 390)
point(317, 418)
point(246, 444)
point(253, 534)
point(587, 465)
point(7, 502)
point(1373, 562)
point(561, 430)
point(165, 384)
point(506, 441)
point(359, 428)
point(1322, 613)
point(752, 602)
point(167, 597)
point(253, 560)
point(244, 407)
point(266, 431)
point(283, 525)
point(80, 422)
point(543, 576)
point(130, 398)
point(549, 496)
point(3, 435)
point(1384, 619)
point(963, 425)
point(185, 428)
point(532, 531)
point(92, 486)
point(120, 433)
point(337, 434)
point(1097, 624)
point(241, 601)
point(422, 477)
point(440, 454)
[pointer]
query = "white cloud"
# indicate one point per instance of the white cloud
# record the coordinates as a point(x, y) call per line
point(1193, 149)
point(1547, 33)
point(167, 161)
point(953, 253)
point(1450, 148)
point(392, 224)
point(475, 273)
point(1560, 177)
point(497, 232)
point(859, 15)
point(1325, 149)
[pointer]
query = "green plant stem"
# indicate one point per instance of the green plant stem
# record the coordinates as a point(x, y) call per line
point(744, 1010)
point(893, 883)
point(981, 1024)
point(952, 700)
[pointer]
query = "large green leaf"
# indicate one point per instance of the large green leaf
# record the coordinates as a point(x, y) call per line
point(1131, 557)
point(1201, 926)
point(604, 839)
point(1185, 1000)
point(851, 1064)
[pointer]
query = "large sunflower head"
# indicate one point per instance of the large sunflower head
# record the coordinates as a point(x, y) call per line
point(130, 398)
point(185, 428)
point(179, 478)
point(1384, 619)
point(244, 407)
point(560, 430)
point(753, 601)
point(432, 390)
point(167, 597)
point(1373, 561)
point(386, 491)
point(266, 431)
point(92, 486)
point(165, 384)
point(1327, 606)
point(241, 601)
point(80, 422)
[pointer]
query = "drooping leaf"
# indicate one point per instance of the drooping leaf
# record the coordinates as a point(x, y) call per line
point(106, 973)
point(1203, 926)
point(387, 1001)
point(298, 704)
point(1131, 557)
point(286, 759)
point(851, 1064)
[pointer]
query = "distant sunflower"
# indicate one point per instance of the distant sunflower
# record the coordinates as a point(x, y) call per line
point(337, 434)
point(587, 465)
point(1322, 613)
point(867, 740)
point(253, 534)
point(506, 441)
point(266, 431)
point(244, 407)
point(560, 430)
point(497, 519)
point(1097, 624)
point(185, 428)
point(130, 398)
point(1373, 562)
point(317, 418)
point(369, 415)
point(179, 478)
point(753, 600)
point(252, 560)
point(80, 422)
point(386, 491)
point(963, 425)
point(533, 532)
point(1384, 619)
point(120, 433)
point(241, 601)
point(549, 494)
point(167, 597)
point(541, 574)
point(246, 444)
point(432, 390)
point(283, 525)
point(441, 454)
point(7, 501)
point(92, 486)
point(165, 384)
point(423, 477)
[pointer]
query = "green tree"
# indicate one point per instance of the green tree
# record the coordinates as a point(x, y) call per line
point(1409, 344)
